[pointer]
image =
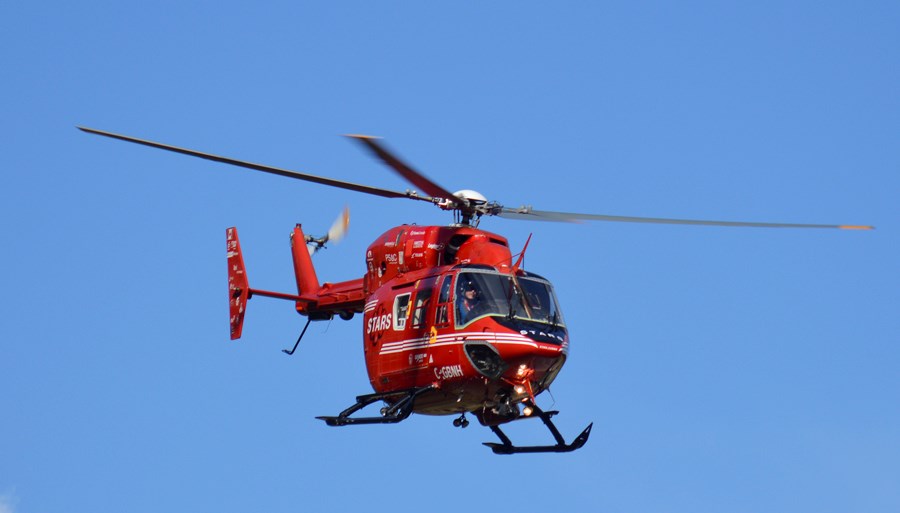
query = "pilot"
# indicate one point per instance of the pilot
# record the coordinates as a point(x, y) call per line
point(468, 299)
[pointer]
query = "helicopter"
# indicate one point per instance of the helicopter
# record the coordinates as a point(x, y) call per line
point(452, 323)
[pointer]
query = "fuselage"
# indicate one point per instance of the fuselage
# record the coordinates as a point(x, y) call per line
point(446, 306)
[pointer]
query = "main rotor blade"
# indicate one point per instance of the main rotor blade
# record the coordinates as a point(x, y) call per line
point(526, 213)
point(411, 175)
point(266, 169)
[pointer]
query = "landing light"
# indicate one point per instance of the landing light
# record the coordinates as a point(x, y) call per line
point(527, 411)
point(519, 389)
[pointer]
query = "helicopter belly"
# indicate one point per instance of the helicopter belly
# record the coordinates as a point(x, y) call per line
point(477, 393)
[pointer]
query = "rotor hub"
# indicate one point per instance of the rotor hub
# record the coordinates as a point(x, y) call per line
point(470, 196)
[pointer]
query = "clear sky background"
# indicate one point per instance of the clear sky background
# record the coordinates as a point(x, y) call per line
point(725, 370)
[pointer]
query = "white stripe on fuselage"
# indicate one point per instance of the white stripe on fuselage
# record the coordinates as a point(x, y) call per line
point(458, 339)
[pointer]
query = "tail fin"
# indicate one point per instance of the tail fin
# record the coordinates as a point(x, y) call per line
point(238, 285)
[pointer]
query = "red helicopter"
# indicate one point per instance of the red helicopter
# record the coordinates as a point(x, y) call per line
point(452, 324)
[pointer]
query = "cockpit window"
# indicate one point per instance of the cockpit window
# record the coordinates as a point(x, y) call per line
point(482, 292)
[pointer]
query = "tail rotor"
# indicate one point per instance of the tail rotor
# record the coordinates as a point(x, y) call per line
point(337, 232)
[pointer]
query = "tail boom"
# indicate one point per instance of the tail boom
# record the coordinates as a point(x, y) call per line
point(317, 302)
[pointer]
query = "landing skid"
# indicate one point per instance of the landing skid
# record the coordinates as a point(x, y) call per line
point(389, 414)
point(507, 446)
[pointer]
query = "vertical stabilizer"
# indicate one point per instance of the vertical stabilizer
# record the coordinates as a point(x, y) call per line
point(304, 272)
point(238, 285)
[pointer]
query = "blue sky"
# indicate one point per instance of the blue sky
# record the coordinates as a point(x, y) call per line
point(724, 369)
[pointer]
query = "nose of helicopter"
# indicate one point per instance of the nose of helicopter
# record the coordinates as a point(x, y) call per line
point(530, 348)
point(533, 364)
point(513, 355)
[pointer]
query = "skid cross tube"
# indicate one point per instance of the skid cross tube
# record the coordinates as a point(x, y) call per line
point(507, 446)
point(398, 411)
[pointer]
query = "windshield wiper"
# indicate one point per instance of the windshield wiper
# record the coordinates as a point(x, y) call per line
point(523, 299)
point(555, 321)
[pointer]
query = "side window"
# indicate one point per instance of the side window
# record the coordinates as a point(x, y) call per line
point(445, 289)
point(421, 309)
point(401, 311)
point(442, 316)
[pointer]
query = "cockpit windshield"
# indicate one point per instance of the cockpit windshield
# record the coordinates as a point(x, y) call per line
point(486, 292)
